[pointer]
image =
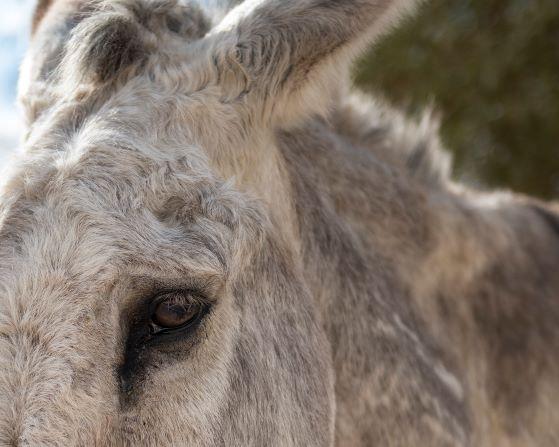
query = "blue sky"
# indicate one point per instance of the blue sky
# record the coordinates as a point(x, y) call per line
point(14, 31)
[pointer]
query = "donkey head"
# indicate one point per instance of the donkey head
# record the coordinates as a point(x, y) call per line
point(151, 290)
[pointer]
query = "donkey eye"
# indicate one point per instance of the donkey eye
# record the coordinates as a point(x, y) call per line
point(176, 311)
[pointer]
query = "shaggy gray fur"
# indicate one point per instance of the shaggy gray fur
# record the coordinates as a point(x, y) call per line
point(356, 295)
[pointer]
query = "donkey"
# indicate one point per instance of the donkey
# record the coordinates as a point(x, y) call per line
point(209, 240)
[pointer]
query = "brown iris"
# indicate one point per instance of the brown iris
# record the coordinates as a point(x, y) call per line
point(175, 310)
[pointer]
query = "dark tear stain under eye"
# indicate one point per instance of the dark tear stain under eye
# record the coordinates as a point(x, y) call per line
point(134, 353)
point(145, 352)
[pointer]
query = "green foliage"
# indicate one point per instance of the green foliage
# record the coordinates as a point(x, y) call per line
point(491, 68)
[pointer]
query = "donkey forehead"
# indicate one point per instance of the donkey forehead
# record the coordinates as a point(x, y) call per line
point(89, 217)
point(110, 175)
point(113, 179)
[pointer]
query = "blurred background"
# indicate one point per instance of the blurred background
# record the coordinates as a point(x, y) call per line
point(490, 68)
point(14, 31)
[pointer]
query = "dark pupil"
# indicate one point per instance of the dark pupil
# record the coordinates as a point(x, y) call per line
point(171, 314)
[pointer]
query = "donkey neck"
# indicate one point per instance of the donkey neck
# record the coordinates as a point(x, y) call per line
point(360, 227)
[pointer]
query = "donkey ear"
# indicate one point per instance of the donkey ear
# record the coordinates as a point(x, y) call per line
point(41, 9)
point(52, 24)
point(57, 9)
point(290, 49)
point(102, 47)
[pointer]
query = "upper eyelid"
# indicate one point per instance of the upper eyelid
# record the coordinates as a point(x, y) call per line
point(132, 289)
point(160, 296)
